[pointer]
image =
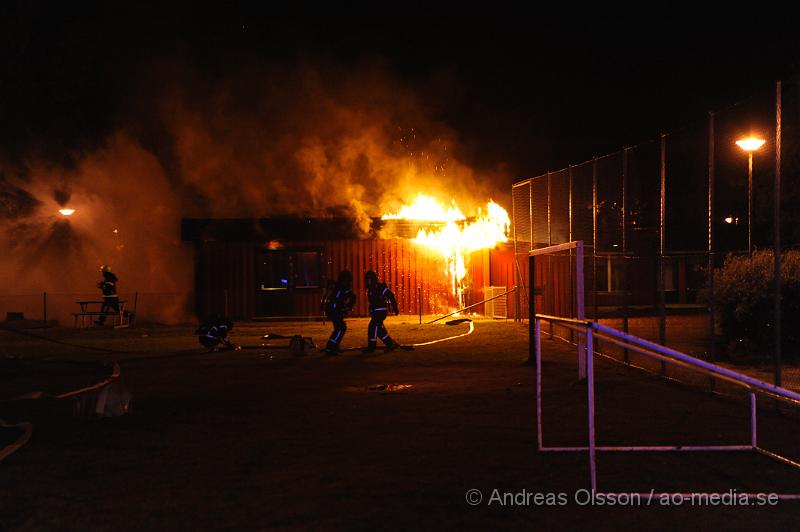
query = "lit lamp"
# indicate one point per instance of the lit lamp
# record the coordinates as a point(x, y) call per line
point(66, 212)
point(750, 144)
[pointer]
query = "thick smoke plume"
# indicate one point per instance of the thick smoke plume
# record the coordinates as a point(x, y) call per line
point(303, 141)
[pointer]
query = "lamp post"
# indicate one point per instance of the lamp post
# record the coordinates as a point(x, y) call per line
point(750, 144)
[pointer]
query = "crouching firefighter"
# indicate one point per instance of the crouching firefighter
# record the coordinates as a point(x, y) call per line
point(338, 303)
point(381, 300)
point(214, 331)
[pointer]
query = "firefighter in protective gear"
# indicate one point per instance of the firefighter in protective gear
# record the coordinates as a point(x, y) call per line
point(110, 298)
point(381, 300)
point(338, 303)
point(214, 331)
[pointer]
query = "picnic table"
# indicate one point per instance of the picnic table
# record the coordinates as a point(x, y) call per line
point(88, 307)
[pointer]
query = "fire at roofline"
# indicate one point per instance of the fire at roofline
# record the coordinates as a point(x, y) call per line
point(305, 141)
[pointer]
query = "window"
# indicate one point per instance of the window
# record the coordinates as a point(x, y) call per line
point(285, 269)
point(307, 269)
point(274, 270)
point(670, 275)
point(609, 273)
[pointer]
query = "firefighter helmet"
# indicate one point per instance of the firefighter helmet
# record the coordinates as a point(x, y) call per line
point(105, 268)
point(371, 275)
point(345, 276)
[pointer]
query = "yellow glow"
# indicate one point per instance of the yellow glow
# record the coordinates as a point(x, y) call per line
point(66, 212)
point(459, 237)
point(729, 220)
point(750, 143)
point(426, 208)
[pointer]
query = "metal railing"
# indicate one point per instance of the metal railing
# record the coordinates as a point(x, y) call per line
point(591, 331)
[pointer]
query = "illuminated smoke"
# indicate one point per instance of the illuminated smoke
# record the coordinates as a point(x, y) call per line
point(312, 142)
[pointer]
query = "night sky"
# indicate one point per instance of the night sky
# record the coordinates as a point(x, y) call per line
point(521, 92)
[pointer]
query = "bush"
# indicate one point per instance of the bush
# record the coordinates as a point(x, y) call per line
point(744, 303)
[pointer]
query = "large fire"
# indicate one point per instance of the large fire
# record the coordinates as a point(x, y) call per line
point(460, 235)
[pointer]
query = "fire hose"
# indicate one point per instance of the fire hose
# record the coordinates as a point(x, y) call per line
point(471, 329)
point(27, 430)
point(81, 396)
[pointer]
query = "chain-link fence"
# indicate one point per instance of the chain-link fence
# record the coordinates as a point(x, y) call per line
point(657, 217)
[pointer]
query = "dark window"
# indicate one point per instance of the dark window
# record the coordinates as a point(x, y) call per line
point(609, 273)
point(284, 269)
point(617, 265)
point(670, 275)
point(274, 270)
point(307, 269)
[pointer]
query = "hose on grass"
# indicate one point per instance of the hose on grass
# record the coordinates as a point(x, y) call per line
point(27, 430)
point(470, 331)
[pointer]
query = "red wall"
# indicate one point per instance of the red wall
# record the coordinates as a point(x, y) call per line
point(503, 273)
point(225, 269)
point(229, 267)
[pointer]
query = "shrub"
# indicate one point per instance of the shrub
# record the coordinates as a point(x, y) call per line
point(744, 303)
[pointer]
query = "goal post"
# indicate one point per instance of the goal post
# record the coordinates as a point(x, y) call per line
point(592, 331)
point(556, 288)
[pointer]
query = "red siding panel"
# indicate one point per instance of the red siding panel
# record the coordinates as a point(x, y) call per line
point(229, 268)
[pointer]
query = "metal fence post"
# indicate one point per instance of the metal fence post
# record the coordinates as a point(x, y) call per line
point(594, 237)
point(550, 276)
point(569, 239)
point(590, 393)
point(581, 312)
point(710, 267)
point(538, 350)
point(531, 306)
point(516, 273)
point(662, 298)
point(777, 228)
point(624, 246)
point(753, 424)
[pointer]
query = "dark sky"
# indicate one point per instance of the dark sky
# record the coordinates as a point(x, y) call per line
point(529, 92)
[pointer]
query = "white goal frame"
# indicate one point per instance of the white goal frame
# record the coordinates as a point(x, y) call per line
point(577, 284)
point(588, 331)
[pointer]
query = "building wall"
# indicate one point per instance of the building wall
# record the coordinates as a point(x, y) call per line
point(503, 272)
point(224, 278)
point(226, 275)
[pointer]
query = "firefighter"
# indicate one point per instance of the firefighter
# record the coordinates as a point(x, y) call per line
point(381, 300)
point(110, 298)
point(338, 303)
point(214, 331)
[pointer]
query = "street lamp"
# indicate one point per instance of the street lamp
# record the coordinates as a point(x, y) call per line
point(750, 144)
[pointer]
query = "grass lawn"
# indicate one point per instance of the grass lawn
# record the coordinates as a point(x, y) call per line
point(255, 439)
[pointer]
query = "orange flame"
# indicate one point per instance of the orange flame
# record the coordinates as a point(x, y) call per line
point(427, 209)
point(459, 237)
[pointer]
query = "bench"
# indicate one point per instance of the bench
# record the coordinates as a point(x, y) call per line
point(120, 319)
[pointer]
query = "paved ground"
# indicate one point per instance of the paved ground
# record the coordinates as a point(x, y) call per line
point(258, 440)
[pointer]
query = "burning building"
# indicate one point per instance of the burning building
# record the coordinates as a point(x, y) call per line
point(435, 259)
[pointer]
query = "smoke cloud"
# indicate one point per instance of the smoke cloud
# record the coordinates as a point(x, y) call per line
point(305, 141)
